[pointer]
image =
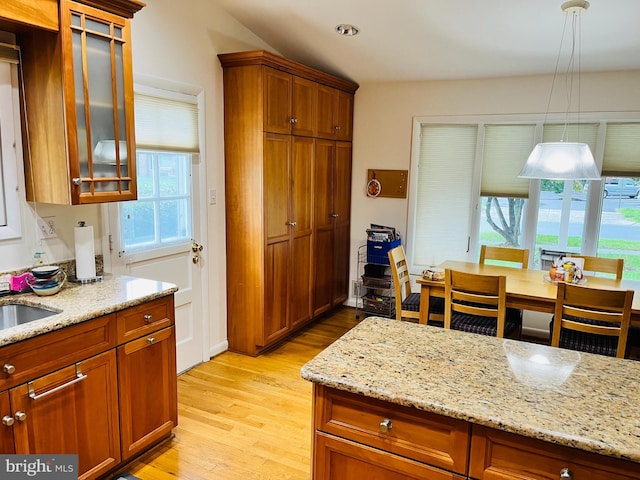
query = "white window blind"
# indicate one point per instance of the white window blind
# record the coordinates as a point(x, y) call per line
point(622, 150)
point(506, 149)
point(166, 124)
point(444, 193)
point(583, 133)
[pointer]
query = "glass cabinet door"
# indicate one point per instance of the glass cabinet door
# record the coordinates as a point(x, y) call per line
point(101, 138)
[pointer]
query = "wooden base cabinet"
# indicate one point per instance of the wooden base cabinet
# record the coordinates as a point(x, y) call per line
point(76, 391)
point(340, 459)
point(361, 437)
point(148, 408)
point(497, 455)
point(355, 434)
point(73, 410)
point(273, 180)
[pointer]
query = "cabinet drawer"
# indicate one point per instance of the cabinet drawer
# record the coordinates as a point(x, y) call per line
point(43, 354)
point(497, 455)
point(143, 319)
point(338, 459)
point(419, 435)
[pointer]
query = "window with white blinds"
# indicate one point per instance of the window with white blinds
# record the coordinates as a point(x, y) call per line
point(445, 176)
point(622, 150)
point(506, 149)
point(166, 124)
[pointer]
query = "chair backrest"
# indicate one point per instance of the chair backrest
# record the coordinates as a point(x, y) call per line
point(400, 271)
point(401, 279)
point(505, 254)
point(475, 294)
point(614, 266)
point(610, 308)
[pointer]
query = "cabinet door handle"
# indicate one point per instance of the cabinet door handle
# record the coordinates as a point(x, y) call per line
point(293, 121)
point(148, 318)
point(35, 396)
point(150, 340)
point(385, 425)
point(77, 181)
point(293, 224)
point(21, 416)
point(337, 128)
point(7, 420)
point(566, 474)
point(8, 368)
point(334, 215)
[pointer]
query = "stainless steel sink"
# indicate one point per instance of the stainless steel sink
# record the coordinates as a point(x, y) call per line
point(16, 314)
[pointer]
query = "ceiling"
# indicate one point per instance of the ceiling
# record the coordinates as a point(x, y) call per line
point(413, 40)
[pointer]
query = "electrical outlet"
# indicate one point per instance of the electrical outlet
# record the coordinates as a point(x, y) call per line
point(47, 227)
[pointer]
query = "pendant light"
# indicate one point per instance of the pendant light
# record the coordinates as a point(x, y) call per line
point(564, 160)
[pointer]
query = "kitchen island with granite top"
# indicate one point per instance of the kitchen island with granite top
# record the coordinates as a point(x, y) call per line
point(97, 378)
point(402, 400)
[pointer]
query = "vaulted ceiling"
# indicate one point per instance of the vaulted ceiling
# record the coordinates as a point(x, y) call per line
point(412, 40)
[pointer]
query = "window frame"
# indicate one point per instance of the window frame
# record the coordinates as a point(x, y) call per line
point(593, 207)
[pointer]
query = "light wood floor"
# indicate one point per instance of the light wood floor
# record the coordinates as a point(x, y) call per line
point(245, 418)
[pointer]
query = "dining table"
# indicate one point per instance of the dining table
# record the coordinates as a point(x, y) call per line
point(527, 289)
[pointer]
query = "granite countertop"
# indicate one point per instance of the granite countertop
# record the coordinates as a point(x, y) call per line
point(590, 402)
point(79, 302)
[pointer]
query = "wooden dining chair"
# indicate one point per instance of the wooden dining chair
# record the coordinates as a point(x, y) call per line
point(591, 319)
point(514, 257)
point(613, 266)
point(407, 302)
point(477, 303)
point(518, 256)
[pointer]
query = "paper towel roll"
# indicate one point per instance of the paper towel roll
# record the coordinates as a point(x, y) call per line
point(85, 253)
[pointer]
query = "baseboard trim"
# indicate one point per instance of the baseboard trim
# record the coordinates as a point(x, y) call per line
point(218, 348)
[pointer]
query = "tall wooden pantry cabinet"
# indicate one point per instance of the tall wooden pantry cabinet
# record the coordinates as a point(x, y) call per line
point(288, 132)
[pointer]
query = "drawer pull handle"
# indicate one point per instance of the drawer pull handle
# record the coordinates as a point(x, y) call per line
point(148, 318)
point(79, 377)
point(150, 340)
point(566, 474)
point(7, 420)
point(21, 416)
point(8, 368)
point(385, 425)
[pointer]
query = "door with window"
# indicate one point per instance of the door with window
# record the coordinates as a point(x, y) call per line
point(159, 235)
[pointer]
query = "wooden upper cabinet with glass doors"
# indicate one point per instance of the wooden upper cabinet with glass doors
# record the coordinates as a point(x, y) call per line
point(78, 125)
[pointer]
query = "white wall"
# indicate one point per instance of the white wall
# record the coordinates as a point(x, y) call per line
point(384, 114)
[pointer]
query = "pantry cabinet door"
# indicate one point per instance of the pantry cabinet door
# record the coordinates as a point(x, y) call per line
point(302, 156)
point(305, 102)
point(341, 217)
point(277, 101)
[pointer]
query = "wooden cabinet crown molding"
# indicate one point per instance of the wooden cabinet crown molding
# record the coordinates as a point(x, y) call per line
point(262, 57)
point(124, 8)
